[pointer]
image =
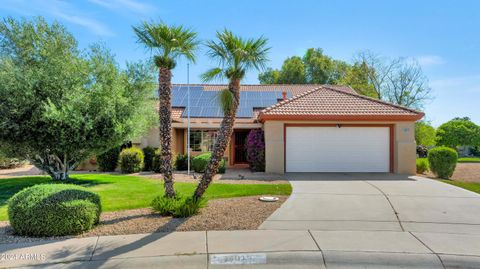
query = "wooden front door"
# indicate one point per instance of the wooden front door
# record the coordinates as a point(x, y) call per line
point(239, 148)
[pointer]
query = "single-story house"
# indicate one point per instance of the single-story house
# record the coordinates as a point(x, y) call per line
point(308, 128)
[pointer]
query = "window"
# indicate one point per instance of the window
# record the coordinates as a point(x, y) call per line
point(202, 140)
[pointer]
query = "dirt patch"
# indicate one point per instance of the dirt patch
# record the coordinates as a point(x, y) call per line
point(468, 172)
point(242, 213)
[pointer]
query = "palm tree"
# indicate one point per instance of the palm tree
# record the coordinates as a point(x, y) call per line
point(168, 43)
point(235, 57)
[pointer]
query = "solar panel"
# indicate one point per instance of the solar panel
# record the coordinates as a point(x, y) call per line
point(205, 104)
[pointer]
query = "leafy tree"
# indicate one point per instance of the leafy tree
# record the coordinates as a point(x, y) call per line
point(319, 67)
point(169, 43)
point(59, 105)
point(424, 134)
point(357, 77)
point(376, 70)
point(458, 132)
point(270, 76)
point(293, 71)
point(314, 68)
point(236, 56)
point(399, 81)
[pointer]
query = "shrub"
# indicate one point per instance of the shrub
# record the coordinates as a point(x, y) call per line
point(422, 165)
point(256, 150)
point(188, 207)
point(200, 162)
point(53, 210)
point(9, 163)
point(181, 162)
point(179, 206)
point(442, 161)
point(131, 160)
point(148, 155)
point(108, 161)
point(475, 151)
point(165, 206)
point(157, 161)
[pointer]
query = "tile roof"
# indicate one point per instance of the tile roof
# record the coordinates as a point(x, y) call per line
point(331, 103)
point(295, 89)
point(177, 113)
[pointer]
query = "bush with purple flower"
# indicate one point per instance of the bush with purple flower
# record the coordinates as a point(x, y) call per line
point(256, 150)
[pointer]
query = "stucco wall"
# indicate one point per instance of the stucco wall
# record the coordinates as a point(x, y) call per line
point(404, 145)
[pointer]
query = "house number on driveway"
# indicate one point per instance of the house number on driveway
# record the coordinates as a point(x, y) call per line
point(244, 258)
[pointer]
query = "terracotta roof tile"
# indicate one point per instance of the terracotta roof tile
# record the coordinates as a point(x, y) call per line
point(331, 103)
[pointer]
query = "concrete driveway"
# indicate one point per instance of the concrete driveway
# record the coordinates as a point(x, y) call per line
point(375, 202)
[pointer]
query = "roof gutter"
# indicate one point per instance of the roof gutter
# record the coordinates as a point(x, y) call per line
point(266, 117)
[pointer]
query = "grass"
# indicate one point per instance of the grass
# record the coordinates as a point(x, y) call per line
point(120, 192)
point(463, 160)
point(471, 186)
point(469, 160)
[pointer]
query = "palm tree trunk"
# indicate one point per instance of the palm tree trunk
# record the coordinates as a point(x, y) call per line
point(165, 115)
point(223, 138)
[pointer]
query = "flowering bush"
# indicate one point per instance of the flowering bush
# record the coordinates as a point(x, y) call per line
point(256, 150)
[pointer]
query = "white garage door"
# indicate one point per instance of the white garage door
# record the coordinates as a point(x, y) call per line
point(333, 149)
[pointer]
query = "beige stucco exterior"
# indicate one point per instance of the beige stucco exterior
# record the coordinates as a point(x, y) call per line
point(404, 145)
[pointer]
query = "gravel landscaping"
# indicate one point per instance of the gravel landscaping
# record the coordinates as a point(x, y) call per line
point(241, 213)
point(468, 172)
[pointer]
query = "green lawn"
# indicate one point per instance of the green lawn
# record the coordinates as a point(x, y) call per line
point(120, 192)
point(469, 160)
point(471, 186)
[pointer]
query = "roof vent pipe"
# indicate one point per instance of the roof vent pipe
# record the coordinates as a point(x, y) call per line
point(284, 95)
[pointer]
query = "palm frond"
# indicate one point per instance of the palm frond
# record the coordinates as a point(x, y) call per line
point(168, 41)
point(212, 74)
point(238, 55)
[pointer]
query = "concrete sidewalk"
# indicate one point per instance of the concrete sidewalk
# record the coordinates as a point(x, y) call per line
point(252, 249)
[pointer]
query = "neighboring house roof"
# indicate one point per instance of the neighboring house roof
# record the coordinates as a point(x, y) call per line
point(331, 103)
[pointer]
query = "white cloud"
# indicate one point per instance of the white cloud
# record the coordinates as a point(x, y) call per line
point(91, 24)
point(467, 84)
point(130, 5)
point(455, 96)
point(429, 60)
point(60, 10)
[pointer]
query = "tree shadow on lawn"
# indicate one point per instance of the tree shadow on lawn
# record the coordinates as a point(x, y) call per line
point(10, 186)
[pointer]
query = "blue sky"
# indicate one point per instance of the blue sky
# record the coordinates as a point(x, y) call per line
point(442, 35)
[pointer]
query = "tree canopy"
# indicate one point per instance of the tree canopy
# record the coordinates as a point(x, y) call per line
point(458, 132)
point(424, 134)
point(400, 81)
point(61, 105)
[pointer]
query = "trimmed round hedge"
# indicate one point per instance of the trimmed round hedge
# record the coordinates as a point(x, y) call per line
point(200, 162)
point(442, 161)
point(131, 160)
point(54, 210)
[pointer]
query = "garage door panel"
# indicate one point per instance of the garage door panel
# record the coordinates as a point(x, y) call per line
point(332, 149)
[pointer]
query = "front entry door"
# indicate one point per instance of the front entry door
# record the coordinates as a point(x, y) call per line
point(239, 149)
